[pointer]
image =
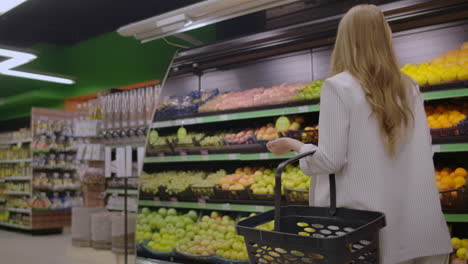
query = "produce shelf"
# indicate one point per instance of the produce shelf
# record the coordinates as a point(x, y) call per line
point(237, 116)
point(456, 218)
point(15, 161)
point(459, 147)
point(214, 157)
point(122, 191)
point(433, 95)
point(20, 210)
point(17, 192)
point(208, 206)
point(16, 141)
point(445, 94)
point(18, 178)
point(17, 226)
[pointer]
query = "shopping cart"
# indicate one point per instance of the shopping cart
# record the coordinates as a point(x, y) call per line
point(313, 234)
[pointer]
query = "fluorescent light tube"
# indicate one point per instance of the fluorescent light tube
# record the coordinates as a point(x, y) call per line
point(7, 5)
point(36, 76)
point(17, 58)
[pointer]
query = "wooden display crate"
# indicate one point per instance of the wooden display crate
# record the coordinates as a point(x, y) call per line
point(51, 219)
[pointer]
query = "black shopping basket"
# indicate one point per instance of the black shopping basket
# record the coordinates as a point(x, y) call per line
point(313, 234)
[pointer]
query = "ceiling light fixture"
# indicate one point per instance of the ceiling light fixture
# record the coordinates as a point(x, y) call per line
point(7, 5)
point(194, 16)
point(17, 58)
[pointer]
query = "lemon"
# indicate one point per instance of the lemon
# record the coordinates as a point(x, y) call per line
point(456, 243)
point(461, 252)
point(302, 224)
point(303, 234)
point(465, 243)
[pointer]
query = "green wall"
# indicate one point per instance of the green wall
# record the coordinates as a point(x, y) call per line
point(98, 64)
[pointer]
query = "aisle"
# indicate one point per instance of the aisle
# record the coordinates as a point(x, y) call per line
point(53, 249)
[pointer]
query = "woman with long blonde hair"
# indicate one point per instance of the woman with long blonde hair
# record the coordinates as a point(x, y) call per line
point(374, 138)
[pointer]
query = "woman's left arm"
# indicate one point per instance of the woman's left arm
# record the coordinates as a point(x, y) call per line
point(330, 155)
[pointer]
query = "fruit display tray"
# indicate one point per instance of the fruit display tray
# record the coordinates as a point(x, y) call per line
point(298, 196)
point(247, 109)
point(454, 201)
point(231, 194)
point(445, 86)
point(193, 258)
point(253, 196)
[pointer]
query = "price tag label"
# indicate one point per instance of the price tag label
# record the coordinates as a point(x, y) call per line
point(226, 206)
point(205, 157)
point(224, 117)
point(435, 148)
point(198, 120)
point(179, 122)
point(259, 208)
point(232, 156)
point(303, 109)
point(264, 156)
point(202, 203)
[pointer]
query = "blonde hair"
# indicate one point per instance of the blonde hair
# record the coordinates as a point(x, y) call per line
point(364, 48)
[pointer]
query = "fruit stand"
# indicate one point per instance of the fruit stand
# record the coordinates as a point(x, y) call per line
point(207, 165)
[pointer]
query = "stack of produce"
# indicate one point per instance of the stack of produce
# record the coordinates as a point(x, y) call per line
point(460, 247)
point(448, 178)
point(268, 132)
point(446, 115)
point(243, 137)
point(253, 97)
point(211, 179)
point(240, 180)
point(214, 234)
point(174, 181)
point(310, 91)
point(292, 178)
point(213, 141)
point(453, 66)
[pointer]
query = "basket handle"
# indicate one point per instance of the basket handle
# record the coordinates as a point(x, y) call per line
point(279, 172)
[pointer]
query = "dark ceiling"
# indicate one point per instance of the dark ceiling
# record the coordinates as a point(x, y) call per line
point(65, 22)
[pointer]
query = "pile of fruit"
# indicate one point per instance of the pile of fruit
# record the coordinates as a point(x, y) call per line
point(446, 115)
point(212, 141)
point(451, 67)
point(168, 229)
point(214, 234)
point(310, 91)
point(165, 222)
point(243, 137)
point(264, 182)
point(211, 179)
point(460, 247)
point(277, 94)
point(240, 180)
point(178, 181)
point(448, 179)
point(268, 132)
point(294, 178)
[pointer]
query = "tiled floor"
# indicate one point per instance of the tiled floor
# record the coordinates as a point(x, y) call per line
point(22, 248)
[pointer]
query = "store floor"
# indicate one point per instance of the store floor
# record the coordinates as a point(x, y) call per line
point(22, 248)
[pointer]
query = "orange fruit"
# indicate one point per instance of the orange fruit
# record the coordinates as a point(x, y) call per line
point(444, 174)
point(459, 182)
point(452, 175)
point(447, 182)
point(461, 172)
point(447, 169)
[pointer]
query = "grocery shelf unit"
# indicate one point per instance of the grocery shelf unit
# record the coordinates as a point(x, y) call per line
point(294, 54)
point(22, 216)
